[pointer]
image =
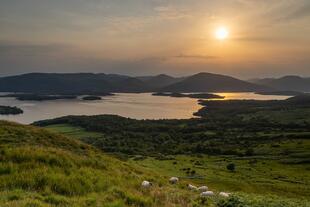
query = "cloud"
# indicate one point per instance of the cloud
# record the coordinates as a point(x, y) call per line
point(117, 35)
point(301, 12)
point(171, 13)
point(23, 49)
point(207, 57)
point(257, 39)
point(285, 11)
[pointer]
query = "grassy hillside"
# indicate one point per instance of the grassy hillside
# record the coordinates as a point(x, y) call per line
point(40, 168)
point(280, 168)
point(271, 160)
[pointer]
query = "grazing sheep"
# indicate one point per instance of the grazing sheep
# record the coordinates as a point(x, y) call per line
point(146, 184)
point(203, 188)
point(207, 194)
point(223, 194)
point(192, 187)
point(174, 180)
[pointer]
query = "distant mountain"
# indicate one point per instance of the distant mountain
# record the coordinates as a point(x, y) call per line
point(159, 81)
point(208, 82)
point(95, 84)
point(131, 85)
point(286, 83)
point(77, 83)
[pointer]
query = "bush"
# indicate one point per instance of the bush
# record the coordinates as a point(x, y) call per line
point(249, 152)
point(231, 167)
point(233, 201)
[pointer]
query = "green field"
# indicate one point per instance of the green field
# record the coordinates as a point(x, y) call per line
point(269, 176)
point(39, 168)
point(77, 132)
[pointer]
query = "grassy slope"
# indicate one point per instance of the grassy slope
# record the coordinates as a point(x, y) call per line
point(268, 178)
point(40, 168)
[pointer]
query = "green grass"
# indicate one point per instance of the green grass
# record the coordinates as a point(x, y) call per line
point(73, 131)
point(44, 169)
point(40, 168)
point(263, 176)
point(265, 179)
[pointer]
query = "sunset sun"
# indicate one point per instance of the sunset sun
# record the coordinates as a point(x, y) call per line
point(221, 33)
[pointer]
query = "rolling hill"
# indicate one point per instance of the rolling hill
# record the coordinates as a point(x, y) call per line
point(208, 82)
point(286, 83)
point(41, 168)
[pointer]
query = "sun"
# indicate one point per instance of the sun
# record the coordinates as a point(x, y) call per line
point(221, 33)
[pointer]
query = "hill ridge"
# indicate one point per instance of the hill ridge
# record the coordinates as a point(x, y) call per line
point(96, 83)
point(286, 83)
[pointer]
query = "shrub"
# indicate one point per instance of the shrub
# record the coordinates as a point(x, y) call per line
point(233, 201)
point(249, 152)
point(231, 167)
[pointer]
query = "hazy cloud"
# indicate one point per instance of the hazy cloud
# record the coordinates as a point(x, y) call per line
point(301, 12)
point(154, 36)
point(207, 57)
point(257, 39)
point(23, 49)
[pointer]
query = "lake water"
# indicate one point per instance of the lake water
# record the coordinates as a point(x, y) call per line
point(138, 106)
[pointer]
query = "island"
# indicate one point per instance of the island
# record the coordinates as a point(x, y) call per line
point(192, 95)
point(39, 97)
point(91, 98)
point(49, 97)
point(8, 110)
point(281, 93)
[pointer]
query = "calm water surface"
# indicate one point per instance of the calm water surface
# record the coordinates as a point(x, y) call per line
point(138, 106)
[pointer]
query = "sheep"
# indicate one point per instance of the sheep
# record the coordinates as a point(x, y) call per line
point(207, 194)
point(203, 188)
point(192, 187)
point(146, 184)
point(223, 194)
point(174, 180)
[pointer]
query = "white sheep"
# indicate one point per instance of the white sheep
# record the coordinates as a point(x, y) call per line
point(174, 180)
point(203, 188)
point(223, 194)
point(192, 187)
point(146, 184)
point(207, 194)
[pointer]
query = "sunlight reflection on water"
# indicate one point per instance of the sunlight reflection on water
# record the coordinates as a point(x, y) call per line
point(138, 106)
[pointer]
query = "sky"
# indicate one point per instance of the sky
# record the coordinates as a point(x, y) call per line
point(267, 38)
